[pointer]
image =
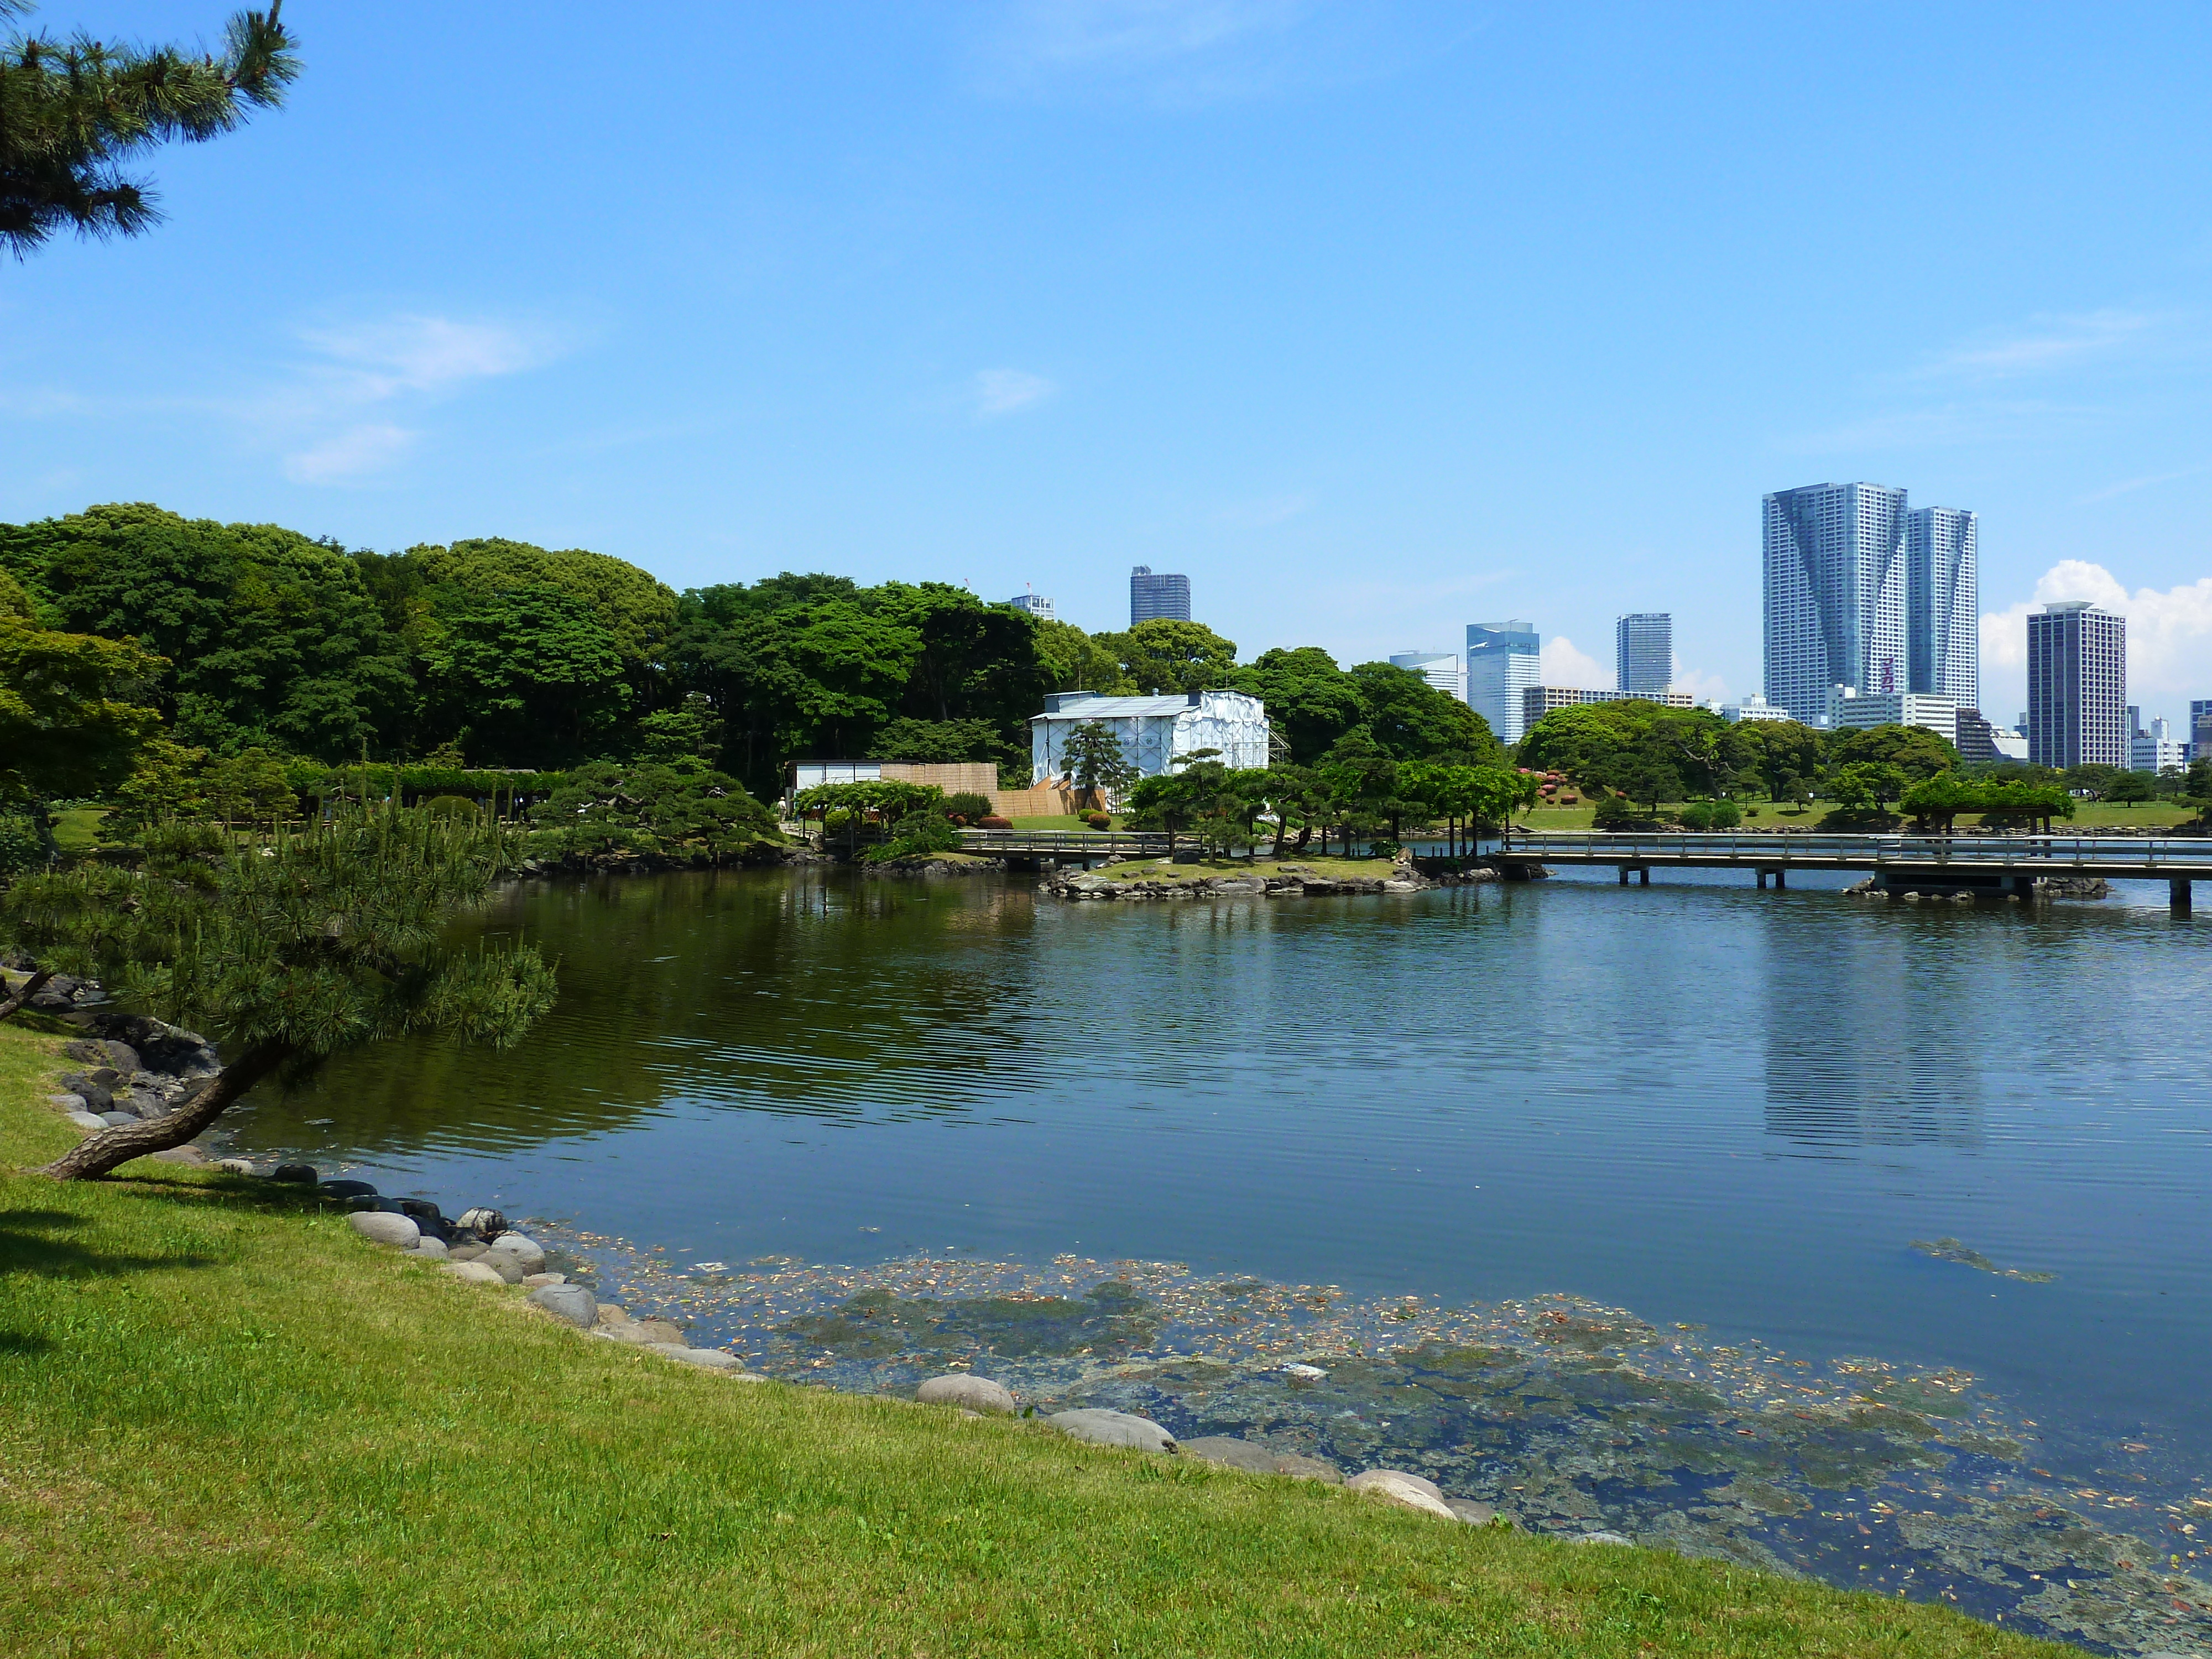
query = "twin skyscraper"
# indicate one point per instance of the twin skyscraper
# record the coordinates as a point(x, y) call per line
point(1865, 592)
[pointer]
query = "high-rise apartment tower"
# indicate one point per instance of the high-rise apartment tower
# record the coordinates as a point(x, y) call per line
point(1152, 597)
point(1644, 654)
point(1942, 605)
point(1834, 557)
point(1501, 664)
point(2078, 686)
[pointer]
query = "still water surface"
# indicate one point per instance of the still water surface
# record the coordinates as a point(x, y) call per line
point(1715, 1106)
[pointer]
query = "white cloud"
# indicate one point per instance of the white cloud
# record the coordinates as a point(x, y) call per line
point(1701, 685)
point(351, 455)
point(1003, 390)
point(2048, 342)
point(2130, 485)
point(409, 353)
point(1561, 664)
point(2169, 637)
point(342, 401)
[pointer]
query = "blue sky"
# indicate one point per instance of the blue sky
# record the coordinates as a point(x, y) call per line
point(1377, 320)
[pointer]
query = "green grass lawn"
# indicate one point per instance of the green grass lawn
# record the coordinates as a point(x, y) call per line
point(1064, 821)
point(229, 1427)
point(77, 830)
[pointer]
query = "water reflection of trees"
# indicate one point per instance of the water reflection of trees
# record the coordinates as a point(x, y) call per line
point(1874, 1029)
point(816, 994)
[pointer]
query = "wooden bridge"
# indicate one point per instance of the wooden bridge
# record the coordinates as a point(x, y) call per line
point(1921, 864)
point(1064, 844)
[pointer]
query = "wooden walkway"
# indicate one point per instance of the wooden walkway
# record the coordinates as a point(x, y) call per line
point(1957, 864)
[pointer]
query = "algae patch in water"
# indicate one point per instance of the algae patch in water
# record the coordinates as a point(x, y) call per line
point(1952, 1250)
point(1568, 1415)
point(1109, 1319)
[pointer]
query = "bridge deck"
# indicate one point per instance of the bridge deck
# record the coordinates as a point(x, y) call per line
point(2117, 858)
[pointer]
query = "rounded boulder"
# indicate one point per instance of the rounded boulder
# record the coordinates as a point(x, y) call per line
point(433, 1248)
point(1412, 1492)
point(343, 1187)
point(712, 1359)
point(486, 1224)
point(473, 1273)
point(977, 1394)
point(526, 1251)
point(303, 1174)
point(385, 1228)
point(571, 1302)
point(88, 1122)
point(1107, 1428)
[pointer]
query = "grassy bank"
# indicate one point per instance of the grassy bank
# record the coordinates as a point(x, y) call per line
point(229, 1427)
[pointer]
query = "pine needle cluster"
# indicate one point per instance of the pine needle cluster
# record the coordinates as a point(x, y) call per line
point(288, 950)
point(75, 114)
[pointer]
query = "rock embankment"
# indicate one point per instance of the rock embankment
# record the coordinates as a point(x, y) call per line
point(1275, 881)
point(482, 1248)
point(973, 1396)
point(138, 1069)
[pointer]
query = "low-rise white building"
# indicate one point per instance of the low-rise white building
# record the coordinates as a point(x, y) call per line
point(2157, 749)
point(1153, 730)
point(1849, 710)
point(1753, 708)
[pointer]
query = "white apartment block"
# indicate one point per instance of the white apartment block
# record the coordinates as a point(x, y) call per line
point(1849, 710)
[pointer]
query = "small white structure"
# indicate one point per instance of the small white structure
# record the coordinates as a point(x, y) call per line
point(1153, 730)
point(1753, 707)
point(1850, 709)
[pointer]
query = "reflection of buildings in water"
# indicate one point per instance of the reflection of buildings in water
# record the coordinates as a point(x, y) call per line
point(1865, 1044)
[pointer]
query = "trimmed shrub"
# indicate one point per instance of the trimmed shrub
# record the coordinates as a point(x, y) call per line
point(1711, 815)
point(1098, 820)
point(453, 806)
point(993, 822)
point(966, 807)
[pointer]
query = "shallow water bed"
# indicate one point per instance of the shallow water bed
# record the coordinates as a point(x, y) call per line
point(1569, 1416)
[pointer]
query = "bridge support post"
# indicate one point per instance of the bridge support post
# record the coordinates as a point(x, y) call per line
point(1781, 880)
point(1624, 875)
point(2178, 901)
point(1644, 877)
point(1761, 874)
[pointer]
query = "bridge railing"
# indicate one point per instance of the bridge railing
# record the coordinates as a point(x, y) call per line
point(2041, 852)
point(1091, 843)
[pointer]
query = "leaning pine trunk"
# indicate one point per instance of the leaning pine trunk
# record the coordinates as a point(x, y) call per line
point(95, 1155)
point(32, 986)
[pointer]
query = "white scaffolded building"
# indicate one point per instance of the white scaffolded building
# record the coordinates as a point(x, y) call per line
point(1153, 730)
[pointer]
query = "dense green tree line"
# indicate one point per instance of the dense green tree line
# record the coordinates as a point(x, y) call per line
point(252, 640)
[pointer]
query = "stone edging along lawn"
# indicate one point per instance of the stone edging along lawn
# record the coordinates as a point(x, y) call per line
point(230, 1423)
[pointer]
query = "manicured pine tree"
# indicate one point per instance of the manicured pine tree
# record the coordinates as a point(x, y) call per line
point(288, 951)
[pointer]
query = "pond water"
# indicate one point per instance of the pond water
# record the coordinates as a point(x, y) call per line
point(1866, 1239)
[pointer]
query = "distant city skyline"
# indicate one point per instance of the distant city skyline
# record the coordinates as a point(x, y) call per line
point(1371, 321)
